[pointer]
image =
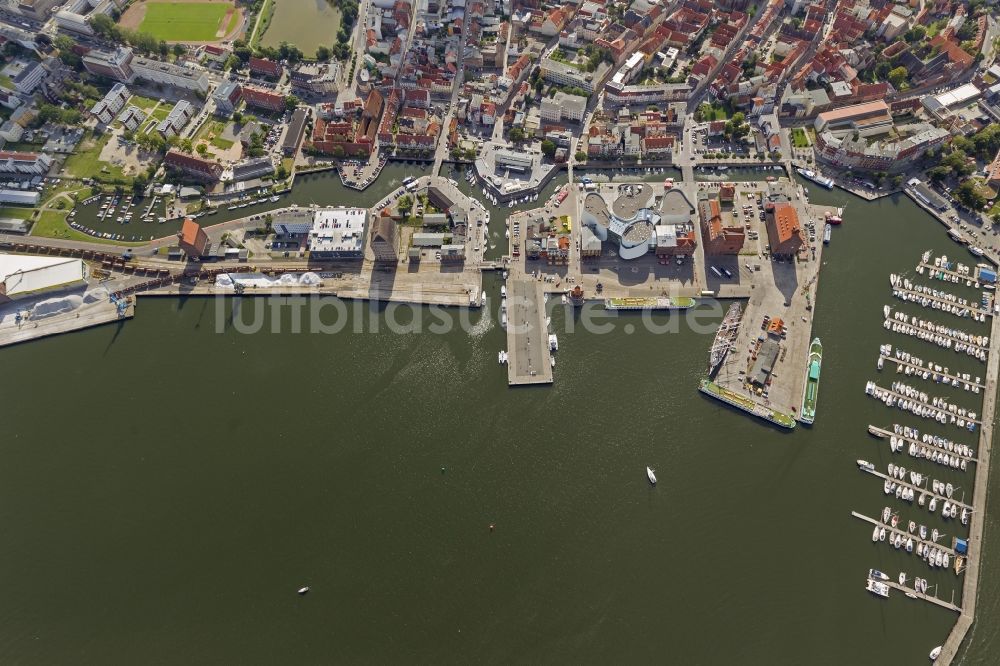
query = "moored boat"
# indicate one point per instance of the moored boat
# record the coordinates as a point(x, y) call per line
point(811, 392)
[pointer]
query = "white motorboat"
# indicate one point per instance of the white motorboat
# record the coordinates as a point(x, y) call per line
point(651, 475)
point(881, 534)
point(935, 653)
point(902, 578)
point(875, 574)
point(886, 512)
point(303, 591)
point(875, 534)
point(878, 588)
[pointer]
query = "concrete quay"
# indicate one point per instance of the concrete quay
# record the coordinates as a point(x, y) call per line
point(528, 355)
point(977, 522)
point(83, 317)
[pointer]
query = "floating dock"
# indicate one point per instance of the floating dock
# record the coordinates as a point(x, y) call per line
point(903, 396)
point(920, 329)
point(916, 296)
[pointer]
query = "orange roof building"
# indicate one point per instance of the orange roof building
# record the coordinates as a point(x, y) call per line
point(193, 238)
point(784, 233)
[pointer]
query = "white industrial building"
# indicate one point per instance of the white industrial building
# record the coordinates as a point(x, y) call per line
point(338, 233)
point(25, 276)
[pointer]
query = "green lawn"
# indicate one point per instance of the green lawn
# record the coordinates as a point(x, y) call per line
point(224, 144)
point(52, 224)
point(16, 212)
point(85, 162)
point(799, 138)
point(144, 103)
point(184, 21)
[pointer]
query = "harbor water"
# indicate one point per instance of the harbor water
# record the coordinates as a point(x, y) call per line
point(166, 489)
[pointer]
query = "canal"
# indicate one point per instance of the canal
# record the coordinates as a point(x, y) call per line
point(169, 483)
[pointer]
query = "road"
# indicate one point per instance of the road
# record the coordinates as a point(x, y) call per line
point(441, 151)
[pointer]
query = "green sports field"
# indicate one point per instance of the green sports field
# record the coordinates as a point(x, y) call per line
point(184, 21)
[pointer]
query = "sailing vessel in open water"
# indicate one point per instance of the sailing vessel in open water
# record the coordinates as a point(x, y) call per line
point(811, 392)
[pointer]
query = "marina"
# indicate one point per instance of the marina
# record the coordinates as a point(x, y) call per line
point(920, 404)
point(909, 541)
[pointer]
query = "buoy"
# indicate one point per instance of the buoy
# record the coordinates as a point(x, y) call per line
point(492, 527)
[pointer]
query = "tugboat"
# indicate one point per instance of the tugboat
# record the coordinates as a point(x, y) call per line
point(811, 393)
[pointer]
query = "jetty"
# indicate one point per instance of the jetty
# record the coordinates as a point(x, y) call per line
point(967, 278)
point(954, 379)
point(911, 296)
point(885, 434)
point(906, 535)
point(920, 489)
point(85, 316)
point(920, 329)
point(879, 392)
point(528, 355)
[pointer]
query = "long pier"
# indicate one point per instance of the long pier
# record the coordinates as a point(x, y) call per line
point(905, 589)
point(884, 434)
point(906, 535)
point(933, 332)
point(528, 355)
point(915, 296)
point(977, 523)
point(922, 369)
point(902, 396)
point(920, 489)
point(938, 269)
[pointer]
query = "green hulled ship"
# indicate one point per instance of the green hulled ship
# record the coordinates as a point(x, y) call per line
point(811, 392)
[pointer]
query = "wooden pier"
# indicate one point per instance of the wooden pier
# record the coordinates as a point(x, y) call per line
point(906, 535)
point(921, 369)
point(920, 489)
point(971, 307)
point(932, 332)
point(885, 434)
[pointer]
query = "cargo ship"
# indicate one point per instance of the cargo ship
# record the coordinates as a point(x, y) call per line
point(724, 338)
point(817, 178)
point(734, 399)
point(632, 303)
point(811, 392)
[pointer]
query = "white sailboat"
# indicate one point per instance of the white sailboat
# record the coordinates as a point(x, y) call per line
point(651, 475)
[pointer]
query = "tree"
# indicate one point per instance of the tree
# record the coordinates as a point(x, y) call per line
point(968, 193)
point(580, 156)
point(163, 48)
point(516, 134)
point(179, 50)
point(897, 77)
point(323, 53)
point(291, 102)
point(548, 148)
point(405, 205)
point(202, 149)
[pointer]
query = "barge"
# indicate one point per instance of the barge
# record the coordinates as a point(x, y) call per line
point(633, 303)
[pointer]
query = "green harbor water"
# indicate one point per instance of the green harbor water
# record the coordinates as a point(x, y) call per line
point(169, 483)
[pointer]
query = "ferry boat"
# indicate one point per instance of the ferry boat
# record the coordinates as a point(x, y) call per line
point(816, 178)
point(640, 303)
point(811, 393)
point(976, 250)
point(724, 337)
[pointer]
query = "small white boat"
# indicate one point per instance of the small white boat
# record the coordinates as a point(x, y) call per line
point(303, 591)
point(875, 534)
point(651, 475)
point(935, 653)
